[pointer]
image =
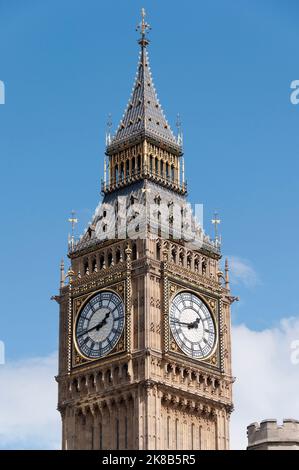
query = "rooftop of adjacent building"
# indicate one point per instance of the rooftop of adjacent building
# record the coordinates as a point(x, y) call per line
point(270, 432)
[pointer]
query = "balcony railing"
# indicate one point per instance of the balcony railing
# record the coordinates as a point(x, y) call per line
point(142, 173)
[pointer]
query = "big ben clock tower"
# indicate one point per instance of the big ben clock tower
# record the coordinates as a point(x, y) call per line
point(144, 337)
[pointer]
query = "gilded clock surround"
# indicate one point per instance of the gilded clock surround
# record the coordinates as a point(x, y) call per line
point(145, 394)
point(214, 304)
point(79, 304)
point(211, 304)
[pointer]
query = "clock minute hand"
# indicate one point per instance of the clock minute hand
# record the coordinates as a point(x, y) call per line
point(87, 331)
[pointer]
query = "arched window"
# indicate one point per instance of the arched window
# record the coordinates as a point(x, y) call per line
point(110, 259)
point(172, 173)
point(117, 256)
point(117, 433)
point(127, 169)
point(199, 438)
point(138, 163)
point(168, 432)
point(86, 267)
point(192, 435)
point(158, 252)
point(116, 173)
point(134, 251)
point(122, 175)
point(167, 170)
point(151, 164)
point(161, 167)
point(133, 165)
point(126, 432)
point(159, 223)
point(101, 436)
point(102, 261)
point(156, 166)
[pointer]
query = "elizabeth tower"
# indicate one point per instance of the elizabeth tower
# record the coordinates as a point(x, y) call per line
point(144, 329)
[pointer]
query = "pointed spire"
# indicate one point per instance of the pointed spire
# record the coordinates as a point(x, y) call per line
point(144, 117)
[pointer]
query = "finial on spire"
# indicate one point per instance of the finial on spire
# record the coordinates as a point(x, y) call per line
point(73, 221)
point(143, 28)
point(216, 221)
point(62, 275)
point(226, 270)
point(108, 129)
point(179, 128)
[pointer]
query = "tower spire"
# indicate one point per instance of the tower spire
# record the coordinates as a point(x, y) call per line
point(143, 117)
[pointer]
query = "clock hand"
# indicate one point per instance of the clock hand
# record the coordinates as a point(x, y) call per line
point(180, 322)
point(103, 322)
point(194, 324)
point(118, 318)
point(96, 327)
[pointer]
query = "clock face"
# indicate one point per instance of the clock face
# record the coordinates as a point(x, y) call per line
point(192, 325)
point(100, 324)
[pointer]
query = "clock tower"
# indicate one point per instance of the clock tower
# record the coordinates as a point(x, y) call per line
point(144, 331)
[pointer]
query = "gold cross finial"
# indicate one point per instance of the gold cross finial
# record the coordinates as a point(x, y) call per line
point(143, 27)
point(216, 221)
point(73, 221)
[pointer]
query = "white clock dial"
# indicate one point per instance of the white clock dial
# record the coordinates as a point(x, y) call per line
point(100, 324)
point(192, 325)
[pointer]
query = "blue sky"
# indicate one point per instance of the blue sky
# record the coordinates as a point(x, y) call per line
point(226, 67)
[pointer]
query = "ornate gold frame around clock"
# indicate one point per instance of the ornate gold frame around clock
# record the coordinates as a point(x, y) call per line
point(78, 358)
point(213, 303)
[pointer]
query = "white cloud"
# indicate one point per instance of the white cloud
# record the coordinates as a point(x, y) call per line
point(241, 272)
point(267, 379)
point(28, 400)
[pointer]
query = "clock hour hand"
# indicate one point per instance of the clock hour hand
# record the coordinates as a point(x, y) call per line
point(96, 327)
point(180, 322)
point(103, 322)
point(194, 324)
